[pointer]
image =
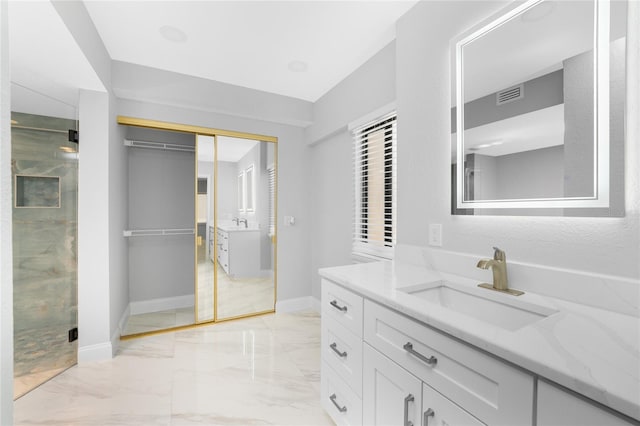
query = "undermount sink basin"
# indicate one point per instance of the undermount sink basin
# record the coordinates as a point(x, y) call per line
point(501, 310)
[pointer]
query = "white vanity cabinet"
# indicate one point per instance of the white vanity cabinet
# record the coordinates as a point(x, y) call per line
point(397, 371)
point(341, 354)
point(239, 252)
point(488, 388)
point(557, 407)
point(393, 396)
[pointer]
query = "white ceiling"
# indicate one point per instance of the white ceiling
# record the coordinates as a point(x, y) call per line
point(47, 66)
point(251, 43)
point(538, 129)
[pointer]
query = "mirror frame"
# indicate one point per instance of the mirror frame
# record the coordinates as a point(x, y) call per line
point(600, 197)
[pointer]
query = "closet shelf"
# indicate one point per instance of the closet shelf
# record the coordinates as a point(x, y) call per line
point(159, 145)
point(155, 232)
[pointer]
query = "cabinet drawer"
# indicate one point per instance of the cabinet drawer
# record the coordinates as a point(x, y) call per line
point(439, 411)
point(489, 389)
point(342, 306)
point(342, 350)
point(338, 399)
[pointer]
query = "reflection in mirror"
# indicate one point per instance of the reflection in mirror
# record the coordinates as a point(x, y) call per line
point(205, 223)
point(235, 244)
point(248, 189)
point(245, 258)
point(530, 134)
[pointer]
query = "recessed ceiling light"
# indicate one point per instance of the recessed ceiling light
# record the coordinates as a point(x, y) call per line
point(298, 66)
point(14, 122)
point(67, 149)
point(173, 34)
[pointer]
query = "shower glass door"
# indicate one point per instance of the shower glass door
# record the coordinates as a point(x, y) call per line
point(45, 182)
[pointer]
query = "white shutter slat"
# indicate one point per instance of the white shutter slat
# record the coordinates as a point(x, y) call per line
point(374, 159)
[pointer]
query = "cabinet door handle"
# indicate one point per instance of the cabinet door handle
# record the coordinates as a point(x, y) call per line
point(427, 414)
point(334, 347)
point(342, 409)
point(407, 400)
point(334, 303)
point(432, 360)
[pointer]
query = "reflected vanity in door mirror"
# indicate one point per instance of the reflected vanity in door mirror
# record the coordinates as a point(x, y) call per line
point(236, 273)
point(541, 131)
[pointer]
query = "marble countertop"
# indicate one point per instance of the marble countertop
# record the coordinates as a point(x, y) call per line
point(236, 228)
point(591, 351)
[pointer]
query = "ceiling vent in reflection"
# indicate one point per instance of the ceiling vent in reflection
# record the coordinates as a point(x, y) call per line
point(509, 95)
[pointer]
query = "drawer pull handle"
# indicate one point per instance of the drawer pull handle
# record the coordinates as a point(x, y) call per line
point(407, 400)
point(341, 409)
point(334, 347)
point(334, 303)
point(432, 360)
point(427, 414)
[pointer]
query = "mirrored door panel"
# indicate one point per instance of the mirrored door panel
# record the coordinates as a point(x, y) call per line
point(245, 231)
point(205, 223)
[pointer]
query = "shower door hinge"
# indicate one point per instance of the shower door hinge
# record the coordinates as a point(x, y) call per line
point(73, 136)
point(73, 334)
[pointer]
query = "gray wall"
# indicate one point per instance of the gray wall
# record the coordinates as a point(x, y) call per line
point(519, 175)
point(118, 221)
point(6, 257)
point(331, 205)
point(370, 87)
point(227, 190)
point(160, 195)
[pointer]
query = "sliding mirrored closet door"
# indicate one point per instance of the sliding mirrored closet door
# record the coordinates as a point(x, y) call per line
point(236, 258)
point(202, 229)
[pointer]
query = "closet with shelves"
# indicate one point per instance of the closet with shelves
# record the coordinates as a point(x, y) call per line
point(183, 195)
point(160, 230)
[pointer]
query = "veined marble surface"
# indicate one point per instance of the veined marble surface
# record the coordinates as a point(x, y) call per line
point(257, 371)
point(592, 351)
point(44, 251)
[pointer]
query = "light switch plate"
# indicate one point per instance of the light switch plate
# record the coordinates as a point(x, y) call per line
point(435, 234)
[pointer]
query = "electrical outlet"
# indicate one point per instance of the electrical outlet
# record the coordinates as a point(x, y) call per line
point(435, 234)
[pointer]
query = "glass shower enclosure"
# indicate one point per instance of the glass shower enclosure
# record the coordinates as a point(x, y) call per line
point(45, 187)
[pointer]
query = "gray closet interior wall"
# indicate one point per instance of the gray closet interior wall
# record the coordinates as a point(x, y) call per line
point(161, 196)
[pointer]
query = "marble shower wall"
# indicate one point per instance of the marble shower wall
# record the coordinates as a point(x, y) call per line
point(44, 245)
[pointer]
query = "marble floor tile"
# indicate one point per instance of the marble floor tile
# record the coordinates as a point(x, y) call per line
point(236, 297)
point(255, 371)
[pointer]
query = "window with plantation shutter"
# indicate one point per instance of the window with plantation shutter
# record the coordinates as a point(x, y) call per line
point(375, 187)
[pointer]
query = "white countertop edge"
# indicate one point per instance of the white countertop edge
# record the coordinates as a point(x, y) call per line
point(523, 347)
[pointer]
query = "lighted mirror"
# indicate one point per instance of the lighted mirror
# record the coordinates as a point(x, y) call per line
point(248, 189)
point(541, 131)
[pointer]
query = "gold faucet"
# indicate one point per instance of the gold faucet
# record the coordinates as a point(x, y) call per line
point(498, 266)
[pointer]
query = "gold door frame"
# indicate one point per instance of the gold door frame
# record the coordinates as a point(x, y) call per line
point(209, 131)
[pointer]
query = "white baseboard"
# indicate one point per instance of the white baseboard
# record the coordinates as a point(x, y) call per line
point(162, 304)
point(97, 352)
point(297, 304)
point(123, 319)
point(315, 304)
